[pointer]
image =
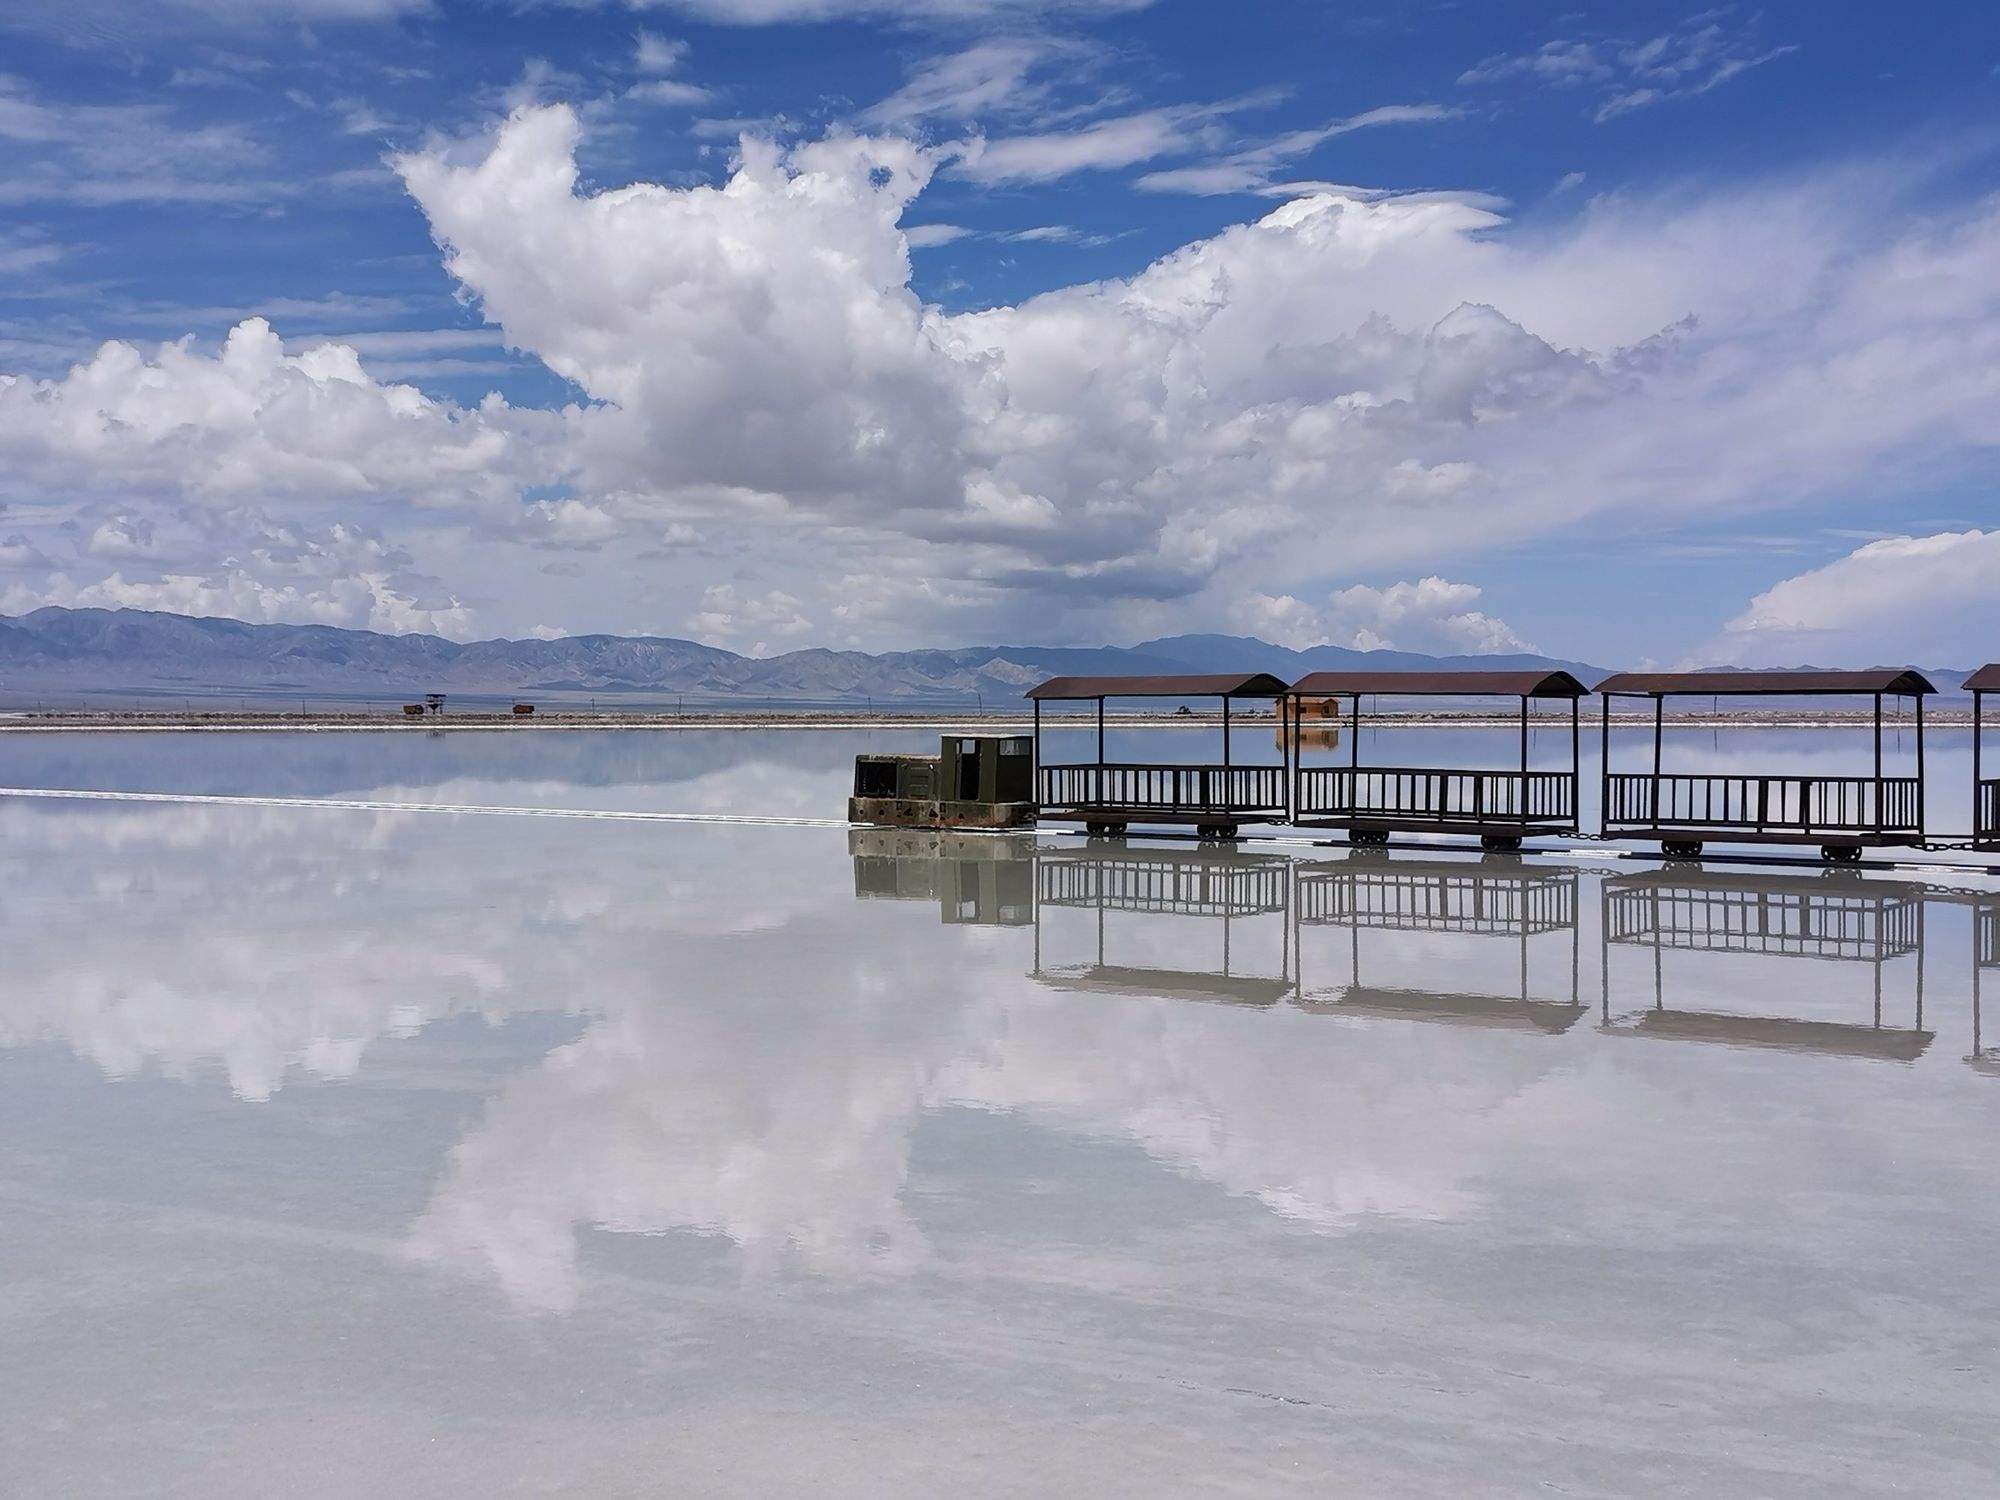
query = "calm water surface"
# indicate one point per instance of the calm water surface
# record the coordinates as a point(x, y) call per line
point(351, 1152)
point(808, 773)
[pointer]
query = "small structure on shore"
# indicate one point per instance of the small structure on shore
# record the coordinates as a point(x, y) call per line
point(1842, 814)
point(1371, 802)
point(974, 781)
point(1105, 795)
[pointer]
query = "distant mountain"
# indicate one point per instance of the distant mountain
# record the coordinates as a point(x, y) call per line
point(129, 651)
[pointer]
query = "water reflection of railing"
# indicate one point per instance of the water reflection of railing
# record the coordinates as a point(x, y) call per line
point(1758, 914)
point(1440, 897)
point(1241, 907)
point(1835, 919)
point(1506, 900)
point(1985, 957)
point(1164, 881)
point(1224, 888)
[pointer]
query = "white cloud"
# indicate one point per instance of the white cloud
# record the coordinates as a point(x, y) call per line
point(795, 365)
point(929, 236)
point(254, 420)
point(102, 155)
point(1563, 63)
point(89, 22)
point(657, 56)
point(729, 615)
point(1249, 169)
point(366, 600)
point(774, 12)
point(668, 91)
point(1699, 56)
point(1349, 385)
point(1432, 614)
point(995, 75)
point(1927, 600)
point(1101, 145)
point(653, 53)
point(25, 251)
point(17, 552)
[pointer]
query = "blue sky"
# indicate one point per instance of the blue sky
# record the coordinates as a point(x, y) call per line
point(1634, 332)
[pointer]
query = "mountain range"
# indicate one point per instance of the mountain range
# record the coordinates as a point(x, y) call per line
point(151, 652)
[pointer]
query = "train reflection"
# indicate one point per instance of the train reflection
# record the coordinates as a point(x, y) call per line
point(1500, 899)
point(1491, 942)
point(1831, 919)
point(1229, 889)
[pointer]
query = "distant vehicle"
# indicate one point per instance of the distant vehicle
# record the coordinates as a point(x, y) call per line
point(413, 710)
point(524, 709)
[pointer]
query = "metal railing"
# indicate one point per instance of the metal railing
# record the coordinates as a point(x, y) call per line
point(1986, 812)
point(1805, 805)
point(1429, 795)
point(1164, 789)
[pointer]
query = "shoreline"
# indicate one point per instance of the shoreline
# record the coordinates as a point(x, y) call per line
point(137, 722)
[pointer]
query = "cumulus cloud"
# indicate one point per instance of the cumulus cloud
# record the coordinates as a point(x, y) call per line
point(1432, 614)
point(254, 419)
point(1350, 384)
point(271, 571)
point(363, 601)
point(731, 615)
point(1924, 600)
point(759, 337)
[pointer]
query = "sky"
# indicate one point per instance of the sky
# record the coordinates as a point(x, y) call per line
point(1633, 333)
